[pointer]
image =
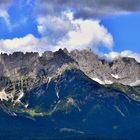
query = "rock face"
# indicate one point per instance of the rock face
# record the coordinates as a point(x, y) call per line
point(92, 66)
point(123, 70)
point(20, 73)
point(127, 71)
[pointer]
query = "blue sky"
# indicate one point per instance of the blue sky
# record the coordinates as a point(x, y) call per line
point(125, 30)
point(39, 25)
point(22, 21)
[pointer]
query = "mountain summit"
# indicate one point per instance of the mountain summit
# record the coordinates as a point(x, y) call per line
point(123, 70)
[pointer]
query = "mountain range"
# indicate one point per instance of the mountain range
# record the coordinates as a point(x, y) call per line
point(69, 95)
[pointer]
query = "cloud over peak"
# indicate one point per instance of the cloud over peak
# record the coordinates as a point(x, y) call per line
point(66, 31)
point(87, 33)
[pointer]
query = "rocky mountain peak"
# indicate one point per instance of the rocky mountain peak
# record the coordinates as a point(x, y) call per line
point(126, 60)
point(123, 70)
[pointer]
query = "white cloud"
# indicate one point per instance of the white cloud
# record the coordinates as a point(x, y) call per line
point(74, 33)
point(87, 33)
point(27, 43)
point(126, 53)
point(53, 25)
